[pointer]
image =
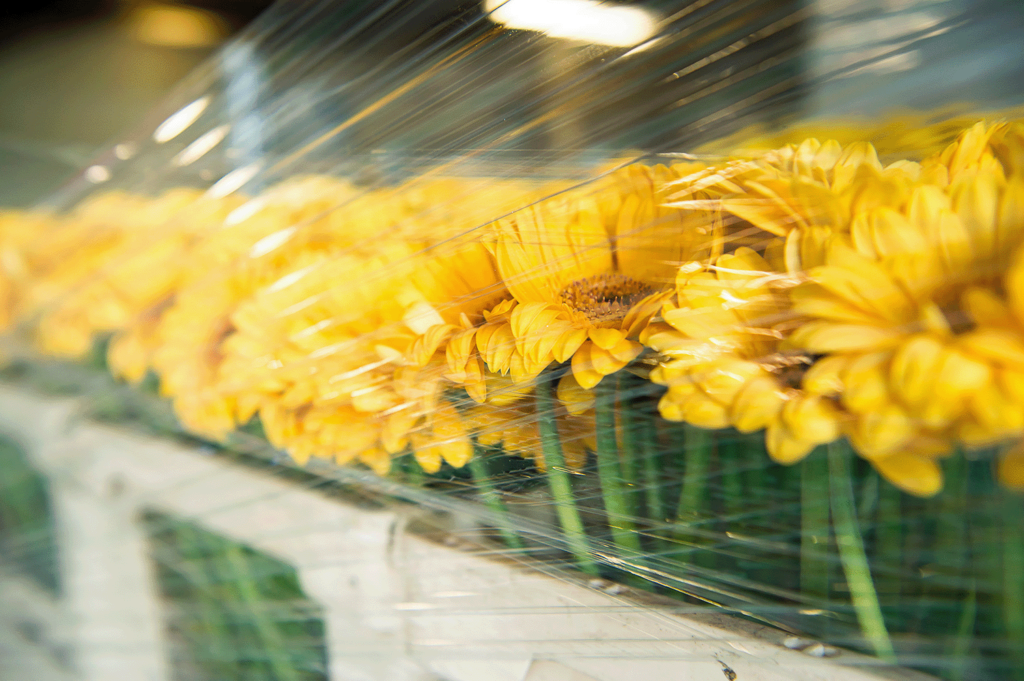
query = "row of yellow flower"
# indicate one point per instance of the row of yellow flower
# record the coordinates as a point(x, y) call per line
point(811, 292)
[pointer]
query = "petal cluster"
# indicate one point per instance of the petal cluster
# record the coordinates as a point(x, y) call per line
point(808, 292)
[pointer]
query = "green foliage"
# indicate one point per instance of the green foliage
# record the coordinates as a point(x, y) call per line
point(232, 612)
point(27, 536)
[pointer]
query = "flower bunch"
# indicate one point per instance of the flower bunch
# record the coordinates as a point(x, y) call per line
point(810, 292)
point(889, 319)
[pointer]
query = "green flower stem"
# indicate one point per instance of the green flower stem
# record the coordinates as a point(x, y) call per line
point(754, 463)
point(814, 527)
point(851, 553)
point(698, 447)
point(731, 459)
point(951, 529)
point(558, 480)
point(647, 448)
point(889, 536)
point(489, 494)
point(1013, 579)
point(616, 505)
point(965, 634)
point(628, 454)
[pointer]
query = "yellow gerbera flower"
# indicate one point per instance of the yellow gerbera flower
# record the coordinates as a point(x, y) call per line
point(994, 148)
point(143, 271)
point(68, 288)
point(588, 269)
point(291, 226)
point(17, 230)
point(258, 244)
point(804, 187)
point(364, 331)
point(906, 310)
point(720, 341)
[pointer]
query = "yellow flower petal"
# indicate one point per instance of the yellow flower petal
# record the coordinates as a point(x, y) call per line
point(824, 377)
point(568, 343)
point(914, 368)
point(378, 460)
point(395, 433)
point(986, 308)
point(811, 418)
point(670, 408)
point(827, 337)
point(626, 350)
point(961, 373)
point(701, 322)
point(813, 301)
point(882, 433)
point(723, 379)
point(461, 346)
point(576, 399)
point(996, 345)
point(530, 319)
point(583, 369)
point(702, 411)
point(1010, 224)
point(758, 403)
point(915, 475)
point(862, 283)
point(427, 455)
point(374, 399)
point(501, 345)
point(976, 201)
point(866, 382)
point(1010, 469)
point(604, 362)
point(1015, 286)
point(1011, 381)
point(606, 339)
point(783, 446)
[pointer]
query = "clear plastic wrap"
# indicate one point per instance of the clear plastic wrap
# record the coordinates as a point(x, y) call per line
point(612, 271)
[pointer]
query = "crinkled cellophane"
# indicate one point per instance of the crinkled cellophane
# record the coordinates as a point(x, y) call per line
point(786, 382)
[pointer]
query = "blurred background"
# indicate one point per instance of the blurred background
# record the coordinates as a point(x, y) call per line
point(77, 76)
point(76, 73)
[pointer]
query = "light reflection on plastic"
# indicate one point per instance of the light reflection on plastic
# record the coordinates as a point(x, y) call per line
point(233, 181)
point(291, 278)
point(584, 20)
point(201, 146)
point(244, 212)
point(271, 242)
point(97, 174)
point(125, 150)
point(177, 122)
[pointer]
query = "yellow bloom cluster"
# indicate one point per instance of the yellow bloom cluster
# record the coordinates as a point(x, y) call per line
point(809, 291)
point(889, 320)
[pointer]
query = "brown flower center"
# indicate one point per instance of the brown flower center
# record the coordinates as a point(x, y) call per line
point(604, 297)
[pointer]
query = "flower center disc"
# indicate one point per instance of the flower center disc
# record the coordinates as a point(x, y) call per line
point(604, 297)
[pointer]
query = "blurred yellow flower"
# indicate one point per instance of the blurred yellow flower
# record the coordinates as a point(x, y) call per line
point(515, 429)
point(363, 331)
point(146, 267)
